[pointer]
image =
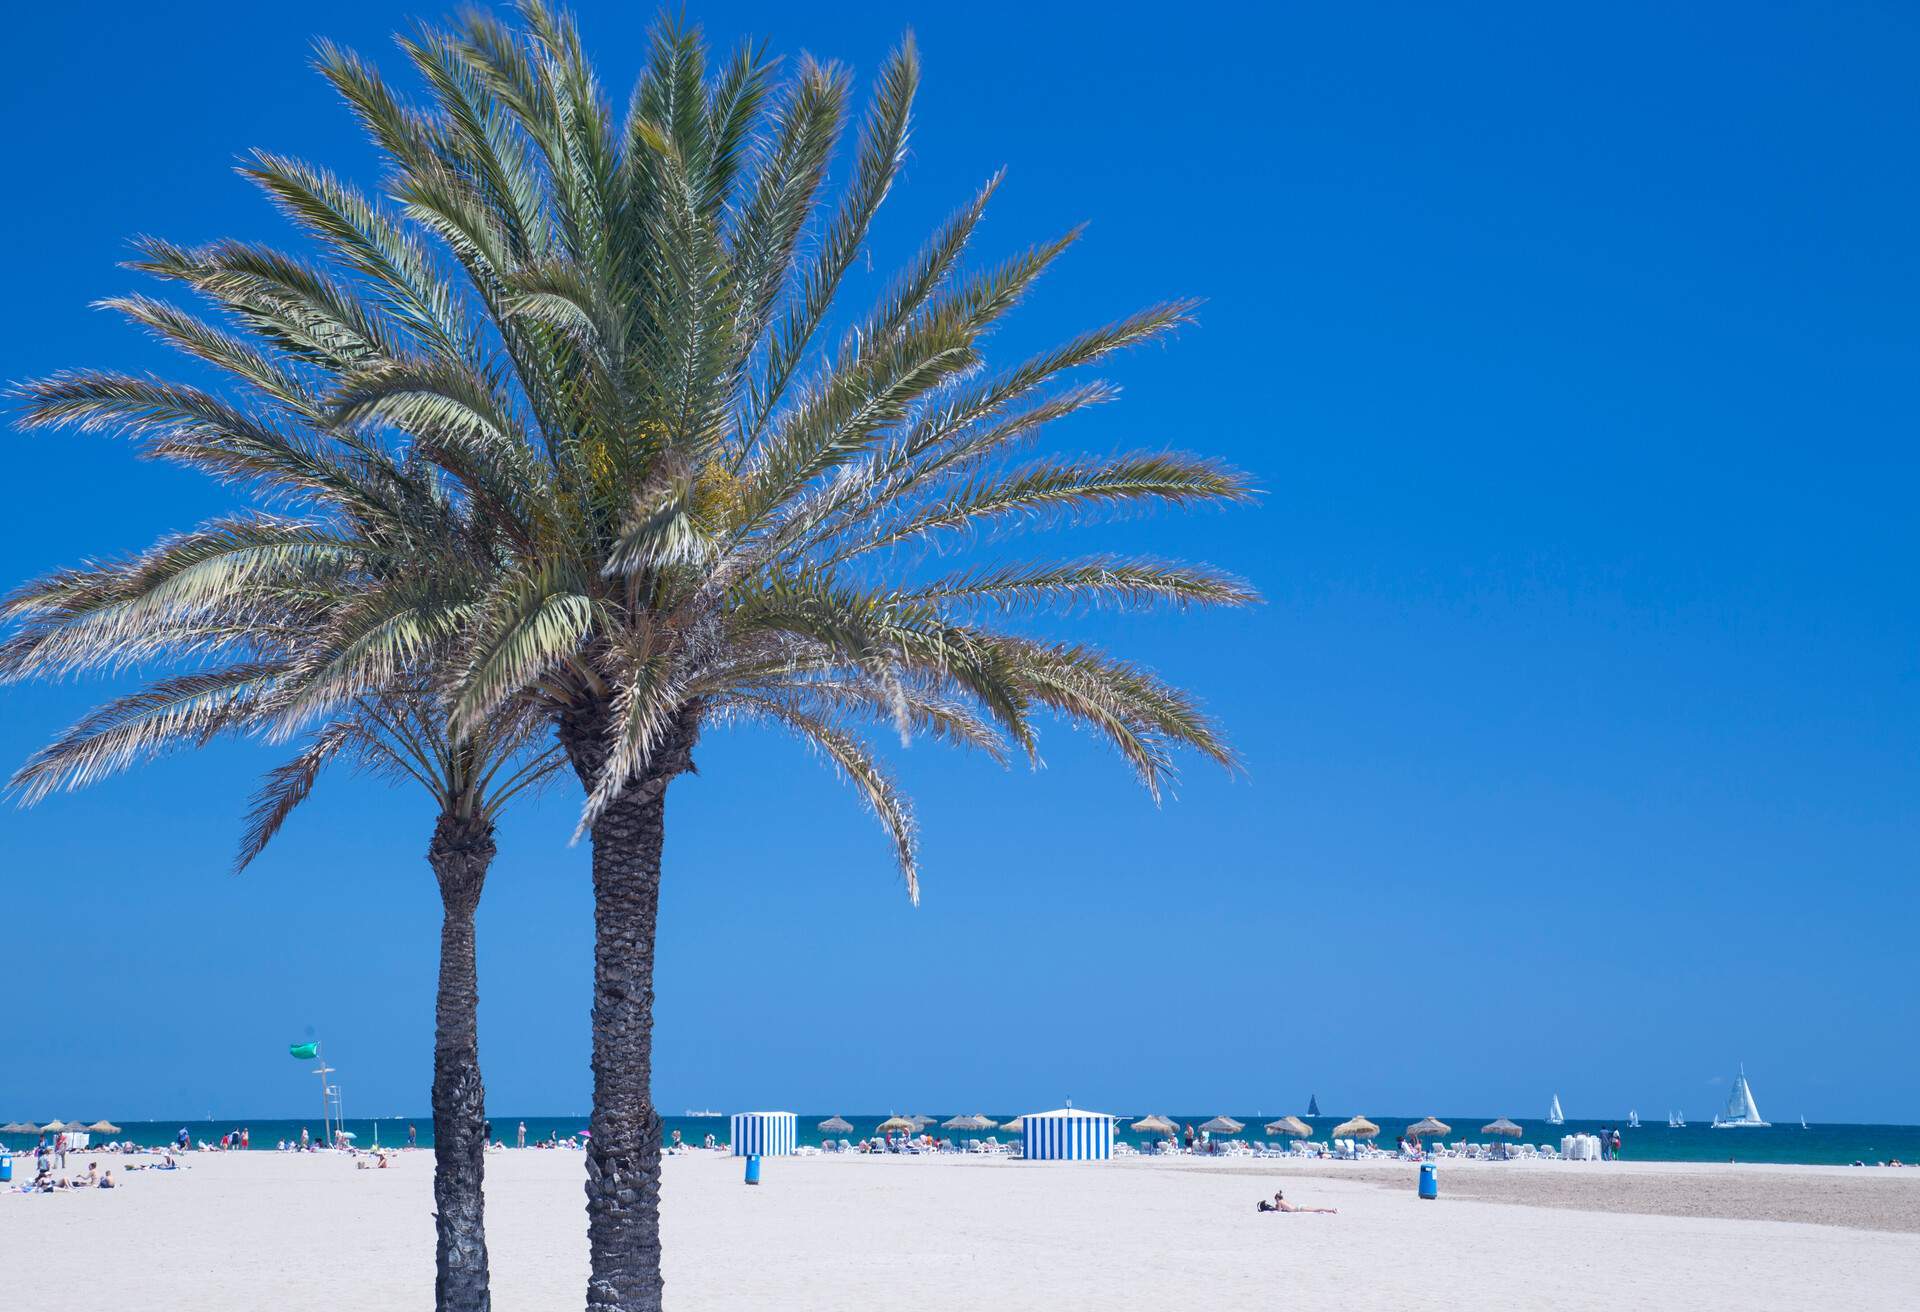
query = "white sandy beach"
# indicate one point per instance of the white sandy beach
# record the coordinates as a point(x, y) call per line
point(243, 1231)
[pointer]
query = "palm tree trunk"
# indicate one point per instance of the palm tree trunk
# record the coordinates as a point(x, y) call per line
point(461, 852)
point(623, 1152)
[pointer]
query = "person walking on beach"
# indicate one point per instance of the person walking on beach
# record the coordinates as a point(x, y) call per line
point(305, 1142)
point(1616, 1145)
point(520, 1136)
point(413, 1136)
point(60, 1148)
point(245, 1131)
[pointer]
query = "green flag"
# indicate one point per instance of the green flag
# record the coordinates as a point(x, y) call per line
point(303, 1050)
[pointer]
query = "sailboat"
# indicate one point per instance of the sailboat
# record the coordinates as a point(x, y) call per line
point(1556, 1116)
point(1741, 1113)
point(1676, 1121)
point(1633, 1120)
point(1313, 1104)
point(1803, 1120)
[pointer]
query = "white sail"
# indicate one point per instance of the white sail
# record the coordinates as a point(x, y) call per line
point(1633, 1120)
point(1556, 1116)
point(1742, 1112)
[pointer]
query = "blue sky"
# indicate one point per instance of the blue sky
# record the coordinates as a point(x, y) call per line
point(1575, 354)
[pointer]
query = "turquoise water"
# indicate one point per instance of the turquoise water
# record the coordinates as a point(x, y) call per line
point(1829, 1145)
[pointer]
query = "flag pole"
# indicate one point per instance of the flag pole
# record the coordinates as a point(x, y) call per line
point(326, 1122)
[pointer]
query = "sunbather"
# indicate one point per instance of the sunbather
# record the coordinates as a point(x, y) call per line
point(1280, 1204)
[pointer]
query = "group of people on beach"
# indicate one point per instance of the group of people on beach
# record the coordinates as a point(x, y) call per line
point(1201, 1142)
point(46, 1162)
point(678, 1143)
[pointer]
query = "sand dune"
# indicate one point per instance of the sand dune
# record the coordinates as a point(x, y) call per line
point(269, 1230)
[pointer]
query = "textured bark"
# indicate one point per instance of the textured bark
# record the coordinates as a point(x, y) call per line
point(461, 852)
point(623, 1154)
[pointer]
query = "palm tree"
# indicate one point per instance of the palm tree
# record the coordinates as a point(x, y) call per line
point(610, 336)
point(239, 602)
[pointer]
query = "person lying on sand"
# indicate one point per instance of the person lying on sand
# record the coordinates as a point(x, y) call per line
point(1280, 1204)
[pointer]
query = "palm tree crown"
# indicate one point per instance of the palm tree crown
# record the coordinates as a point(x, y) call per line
point(700, 511)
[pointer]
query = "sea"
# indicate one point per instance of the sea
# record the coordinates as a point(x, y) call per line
point(1817, 1145)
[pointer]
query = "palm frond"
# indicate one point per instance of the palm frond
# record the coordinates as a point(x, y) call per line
point(168, 715)
point(856, 763)
point(286, 786)
point(1098, 580)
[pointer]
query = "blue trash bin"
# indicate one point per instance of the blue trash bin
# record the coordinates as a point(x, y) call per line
point(1429, 1181)
point(6, 1167)
point(753, 1169)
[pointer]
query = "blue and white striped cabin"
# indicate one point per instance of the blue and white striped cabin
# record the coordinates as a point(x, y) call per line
point(1067, 1135)
point(765, 1134)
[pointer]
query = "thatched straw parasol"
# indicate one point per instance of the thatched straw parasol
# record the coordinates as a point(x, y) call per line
point(835, 1125)
point(1223, 1125)
point(1016, 1125)
point(1292, 1125)
point(1357, 1128)
point(1503, 1126)
point(1154, 1125)
point(55, 1127)
point(103, 1127)
point(18, 1127)
point(974, 1122)
point(893, 1123)
point(1426, 1128)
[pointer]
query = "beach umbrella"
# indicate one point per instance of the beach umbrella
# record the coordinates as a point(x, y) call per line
point(1429, 1126)
point(1154, 1125)
point(53, 1127)
point(1292, 1125)
point(1223, 1125)
point(1357, 1128)
point(18, 1127)
point(103, 1127)
point(834, 1125)
point(975, 1122)
point(1503, 1126)
point(1015, 1126)
point(893, 1123)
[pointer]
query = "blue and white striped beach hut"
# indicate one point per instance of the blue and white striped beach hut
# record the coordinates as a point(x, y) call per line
point(1067, 1135)
point(765, 1134)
